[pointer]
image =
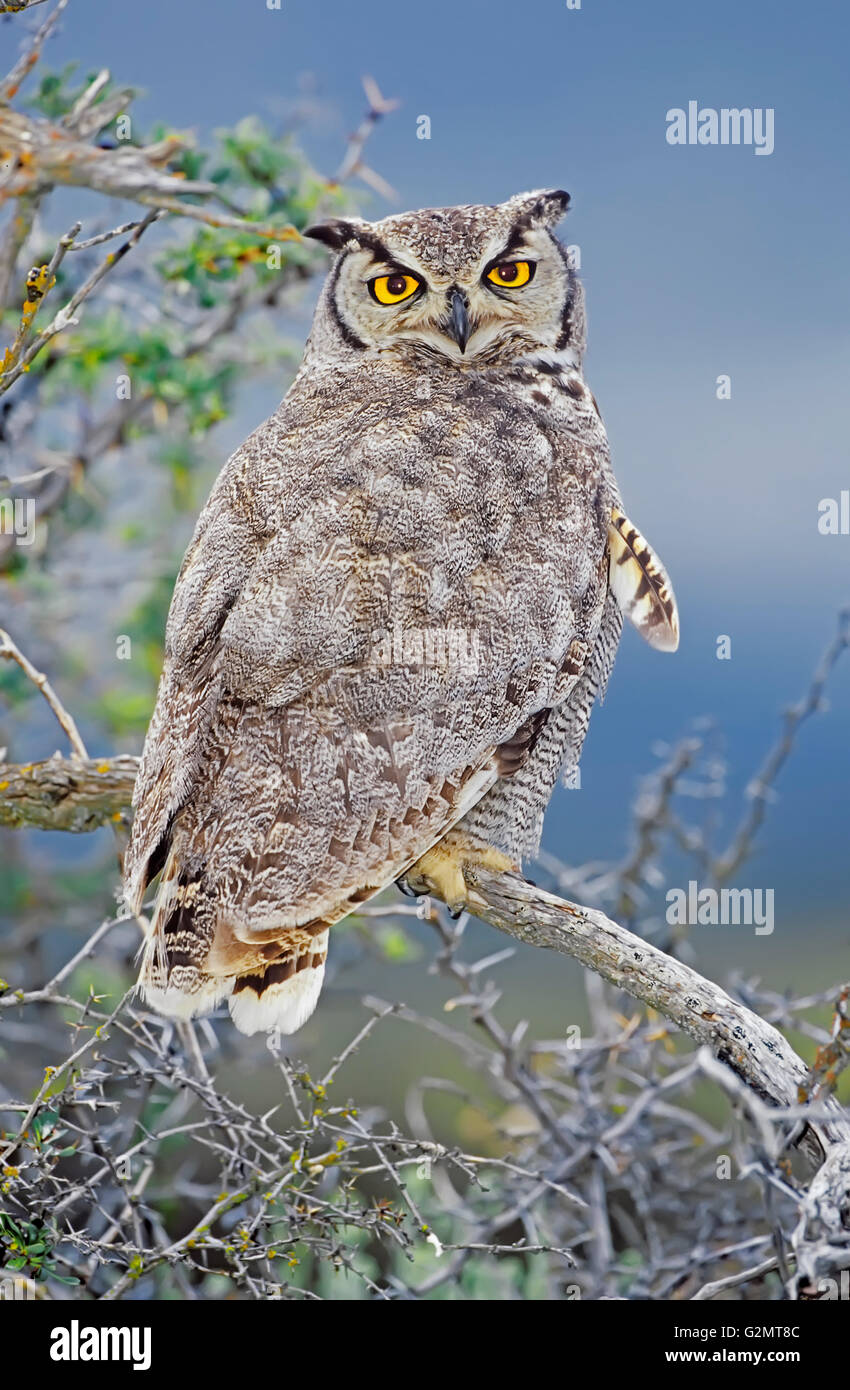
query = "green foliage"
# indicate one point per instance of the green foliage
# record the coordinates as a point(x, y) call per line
point(15, 689)
point(124, 705)
point(125, 711)
point(16, 889)
point(173, 337)
point(269, 181)
point(54, 96)
point(78, 362)
point(395, 944)
point(26, 1249)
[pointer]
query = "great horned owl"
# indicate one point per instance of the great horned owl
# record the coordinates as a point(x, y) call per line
point(399, 604)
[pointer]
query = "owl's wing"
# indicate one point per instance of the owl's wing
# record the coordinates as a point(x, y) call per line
point(510, 815)
point(641, 585)
point(294, 766)
point(214, 570)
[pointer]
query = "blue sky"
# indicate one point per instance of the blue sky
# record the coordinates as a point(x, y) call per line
point(697, 261)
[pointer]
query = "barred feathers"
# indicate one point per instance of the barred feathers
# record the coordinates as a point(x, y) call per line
point(641, 584)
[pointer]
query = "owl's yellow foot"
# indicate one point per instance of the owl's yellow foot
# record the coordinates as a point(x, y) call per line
point(441, 868)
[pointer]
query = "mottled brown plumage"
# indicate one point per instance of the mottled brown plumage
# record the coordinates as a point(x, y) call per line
point(395, 613)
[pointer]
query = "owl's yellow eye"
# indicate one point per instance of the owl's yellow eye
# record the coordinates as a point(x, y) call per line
point(511, 274)
point(393, 289)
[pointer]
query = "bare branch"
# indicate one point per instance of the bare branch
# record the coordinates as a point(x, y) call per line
point(39, 284)
point(11, 652)
point(352, 162)
point(59, 794)
point(25, 64)
point(831, 1058)
point(65, 316)
point(66, 794)
point(755, 1051)
point(727, 863)
point(44, 155)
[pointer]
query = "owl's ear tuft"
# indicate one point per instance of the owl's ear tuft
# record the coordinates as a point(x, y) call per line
point(543, 208)
point(335, 233)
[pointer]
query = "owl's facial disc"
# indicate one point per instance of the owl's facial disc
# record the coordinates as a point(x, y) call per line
point(469, 286)
point(502, 304)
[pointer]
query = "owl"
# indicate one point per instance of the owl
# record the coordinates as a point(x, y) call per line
point(399, 605)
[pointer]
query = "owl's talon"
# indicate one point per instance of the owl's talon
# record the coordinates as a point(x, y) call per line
point(403, 886)
point(441, 869)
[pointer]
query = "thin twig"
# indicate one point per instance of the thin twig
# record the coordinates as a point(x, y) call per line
point(26, 329)
point(65, 316)
point(12, 81)
point(11, 652)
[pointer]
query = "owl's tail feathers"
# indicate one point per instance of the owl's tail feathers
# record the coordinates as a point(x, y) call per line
point(280, 998)
point(174, 978)
point(283, 996)
point(191, 963)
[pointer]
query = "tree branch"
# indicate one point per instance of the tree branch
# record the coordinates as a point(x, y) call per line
point(757, 1053)
point(758, 1064)
point(9, 651)
point(66, 793)
point(43, 155)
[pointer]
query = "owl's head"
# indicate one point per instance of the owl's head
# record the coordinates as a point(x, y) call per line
point(471, 286)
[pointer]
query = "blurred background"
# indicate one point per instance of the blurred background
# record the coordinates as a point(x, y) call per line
point(698, 262)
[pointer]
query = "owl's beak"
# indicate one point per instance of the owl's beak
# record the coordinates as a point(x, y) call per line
point(458, 325)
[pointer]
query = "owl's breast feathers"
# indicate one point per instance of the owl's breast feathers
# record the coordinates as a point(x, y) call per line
point(393, 579)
